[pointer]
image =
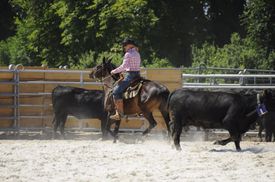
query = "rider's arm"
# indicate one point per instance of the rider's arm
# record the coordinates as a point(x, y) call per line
point(124, 66)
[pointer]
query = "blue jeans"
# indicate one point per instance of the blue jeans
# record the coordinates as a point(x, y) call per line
point(121, 86)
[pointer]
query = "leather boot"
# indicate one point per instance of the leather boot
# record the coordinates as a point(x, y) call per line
point(119, 109)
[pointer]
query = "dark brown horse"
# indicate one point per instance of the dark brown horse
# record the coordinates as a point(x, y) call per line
point(152, 96)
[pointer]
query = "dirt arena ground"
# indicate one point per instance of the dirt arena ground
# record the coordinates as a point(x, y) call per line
point(85, 157)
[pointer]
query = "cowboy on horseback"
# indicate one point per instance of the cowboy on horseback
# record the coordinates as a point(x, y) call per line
point(131, 65)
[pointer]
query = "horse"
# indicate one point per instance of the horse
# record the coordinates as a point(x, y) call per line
point(152, 96)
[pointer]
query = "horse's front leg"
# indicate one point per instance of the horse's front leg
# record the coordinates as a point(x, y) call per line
point(110, 122)
point(105, 126)
point(152, 122)
point(116, 129)
point(108, 127)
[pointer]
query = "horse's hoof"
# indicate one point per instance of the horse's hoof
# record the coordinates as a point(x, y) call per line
point(178, 148)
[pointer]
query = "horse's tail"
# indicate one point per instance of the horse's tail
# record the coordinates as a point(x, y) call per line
point(168, 101)
point(163, 109)
point(164, 99)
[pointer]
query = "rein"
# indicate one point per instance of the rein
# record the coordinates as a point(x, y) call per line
point(106, 77)
point(105, 84)
point(103, 76)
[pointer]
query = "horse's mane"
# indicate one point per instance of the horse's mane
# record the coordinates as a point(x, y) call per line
point(110, 67)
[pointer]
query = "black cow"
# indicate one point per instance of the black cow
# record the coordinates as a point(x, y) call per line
point(234, 112)
point(267, 122)
point(78, 102)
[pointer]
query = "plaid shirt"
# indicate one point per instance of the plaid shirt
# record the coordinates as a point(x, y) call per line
point(131, 62)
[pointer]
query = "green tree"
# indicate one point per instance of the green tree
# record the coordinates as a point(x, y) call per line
point(181, 23)
point(7, 26)
point(223, 18)
point(239, 53)
point(184, 23)
point(125, 18)
point(60, 32)
point(259, 21)
point(78, 33)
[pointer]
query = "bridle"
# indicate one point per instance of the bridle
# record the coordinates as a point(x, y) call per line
point(102, 77)
point(105, 84)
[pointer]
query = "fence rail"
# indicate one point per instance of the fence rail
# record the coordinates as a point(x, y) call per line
point(202, 68)
point(241, 81)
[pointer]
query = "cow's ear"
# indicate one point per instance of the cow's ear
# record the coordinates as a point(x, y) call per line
point(104, 60)
point(109, 61)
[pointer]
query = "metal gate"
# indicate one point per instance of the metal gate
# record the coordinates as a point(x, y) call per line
point(227, 78)
point(236, 81)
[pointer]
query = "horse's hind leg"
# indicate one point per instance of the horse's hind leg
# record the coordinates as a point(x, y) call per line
point(152, 122)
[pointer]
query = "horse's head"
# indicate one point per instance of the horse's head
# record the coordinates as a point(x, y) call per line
point(102, 70)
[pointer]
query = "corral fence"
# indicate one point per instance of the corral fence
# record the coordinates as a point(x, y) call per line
point(25, 92)
point(227, 78)
point(25, 96)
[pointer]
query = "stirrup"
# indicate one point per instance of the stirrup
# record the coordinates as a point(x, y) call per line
point(116, 117)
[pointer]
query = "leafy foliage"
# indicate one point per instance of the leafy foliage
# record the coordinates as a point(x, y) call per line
point(259, 20)
point(170, 33)
point(239, 53)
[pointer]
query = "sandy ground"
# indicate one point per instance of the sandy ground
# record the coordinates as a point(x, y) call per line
point(88, 158)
